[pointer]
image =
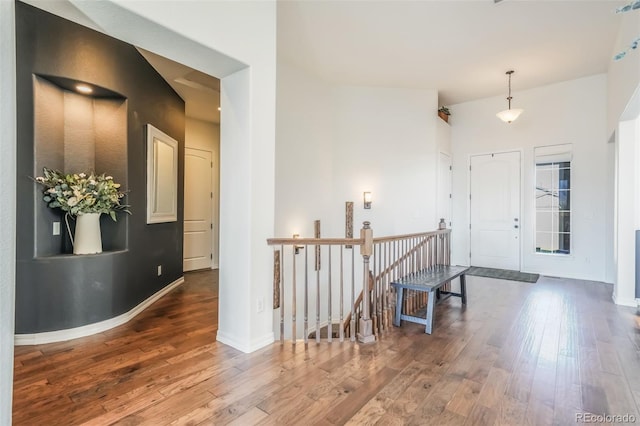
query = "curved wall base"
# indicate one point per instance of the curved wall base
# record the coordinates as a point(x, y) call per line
point(95, 328)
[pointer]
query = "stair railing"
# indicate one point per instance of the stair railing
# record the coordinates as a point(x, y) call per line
point(395, 257)
point(299, 268)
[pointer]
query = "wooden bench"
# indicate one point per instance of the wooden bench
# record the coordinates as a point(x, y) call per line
point(429, 281)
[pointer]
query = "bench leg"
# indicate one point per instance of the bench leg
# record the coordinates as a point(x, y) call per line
point(463, 289)
point(431, 303)
point(396, 320)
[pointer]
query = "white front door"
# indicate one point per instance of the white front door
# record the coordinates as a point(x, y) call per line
point(444, 188)
point(197, 209)
point(495, 210)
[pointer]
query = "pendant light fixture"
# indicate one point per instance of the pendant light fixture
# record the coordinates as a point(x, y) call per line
point(509, 115)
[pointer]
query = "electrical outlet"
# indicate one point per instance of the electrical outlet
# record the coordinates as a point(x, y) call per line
point(56, 228)
point(260, 304)
point(159, 270)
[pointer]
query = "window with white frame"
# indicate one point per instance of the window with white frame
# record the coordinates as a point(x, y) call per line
point(553, 199)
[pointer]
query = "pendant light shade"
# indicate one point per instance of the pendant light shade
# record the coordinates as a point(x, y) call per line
point(509, 115)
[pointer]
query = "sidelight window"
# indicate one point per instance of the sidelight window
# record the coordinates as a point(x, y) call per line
point(553, 199)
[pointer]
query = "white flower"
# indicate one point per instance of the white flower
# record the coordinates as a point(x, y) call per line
point(109, 178)
point(72, 201)
point(82, 175)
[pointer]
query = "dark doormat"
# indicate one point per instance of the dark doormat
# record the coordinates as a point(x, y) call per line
point(503, 274)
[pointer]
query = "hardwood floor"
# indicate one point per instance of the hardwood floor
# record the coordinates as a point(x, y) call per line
point(518, 354)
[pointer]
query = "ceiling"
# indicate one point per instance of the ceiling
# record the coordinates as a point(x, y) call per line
point(460, 48)
point(200, 91)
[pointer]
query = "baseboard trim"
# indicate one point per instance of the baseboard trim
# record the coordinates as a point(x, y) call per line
point(95, 328)
point(624, 301)
point(245, 347)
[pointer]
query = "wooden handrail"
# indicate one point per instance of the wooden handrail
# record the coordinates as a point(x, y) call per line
point(406, 236)
point(315, 241)
point(349, 241)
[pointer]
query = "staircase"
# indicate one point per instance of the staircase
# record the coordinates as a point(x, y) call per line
point(320, 282)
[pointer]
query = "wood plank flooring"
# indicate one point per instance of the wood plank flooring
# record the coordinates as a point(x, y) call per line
point(518, 354)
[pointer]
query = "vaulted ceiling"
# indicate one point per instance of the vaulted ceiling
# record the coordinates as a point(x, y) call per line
point(460, 48)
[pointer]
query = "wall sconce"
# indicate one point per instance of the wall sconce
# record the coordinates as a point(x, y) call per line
point(296, 248)
point(367, 200)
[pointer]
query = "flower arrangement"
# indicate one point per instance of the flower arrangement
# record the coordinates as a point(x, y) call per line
point(80, 193)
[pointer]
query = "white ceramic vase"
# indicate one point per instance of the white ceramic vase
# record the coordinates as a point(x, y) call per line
point(88, 239)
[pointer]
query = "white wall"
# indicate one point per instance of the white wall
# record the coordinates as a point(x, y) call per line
point(335, 142)
point(627, 211)
point(304, 172)
point(205, 136)
point(610, 203)
point(236, 42)
point(8, 210)
point(623, 76)
point(623, 80)
point(385, 142)
point(568, 112)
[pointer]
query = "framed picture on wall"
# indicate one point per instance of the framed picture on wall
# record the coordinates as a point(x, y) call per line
point(162, 176)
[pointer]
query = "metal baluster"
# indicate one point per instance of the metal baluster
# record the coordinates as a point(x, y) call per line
point(380, 298)
point(353, 296)
point(414, 257)
point(341, 293)
point(374, 295)
point(318, 305)
point(330, 321)
point(282, 281)
point(433, 251)
point(404, 260)
point(423, 252)
point(306, 294)
point(387, 287)
point(293, 298)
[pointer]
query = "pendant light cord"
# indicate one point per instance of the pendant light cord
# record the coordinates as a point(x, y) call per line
point(509, 97)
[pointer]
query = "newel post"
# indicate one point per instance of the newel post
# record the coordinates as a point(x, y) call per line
point(365, 334)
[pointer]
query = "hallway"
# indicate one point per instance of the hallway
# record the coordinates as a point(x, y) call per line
point(518, 354)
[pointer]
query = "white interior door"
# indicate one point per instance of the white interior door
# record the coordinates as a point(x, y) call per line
point(444, 188)
point(495, 210)
point(197, 209)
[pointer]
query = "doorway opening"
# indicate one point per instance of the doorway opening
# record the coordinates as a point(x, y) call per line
point(201, 94)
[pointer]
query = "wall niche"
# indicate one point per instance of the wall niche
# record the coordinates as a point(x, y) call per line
point(77, 132)
point(58, 294)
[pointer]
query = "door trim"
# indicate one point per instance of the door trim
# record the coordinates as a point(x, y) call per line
point(468, 195)
point(438, 183)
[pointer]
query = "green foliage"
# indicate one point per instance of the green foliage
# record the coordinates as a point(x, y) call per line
point(79, 193)
point(444, 110)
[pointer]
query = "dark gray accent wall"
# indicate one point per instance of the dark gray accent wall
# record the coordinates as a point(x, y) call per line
point(56, 290)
